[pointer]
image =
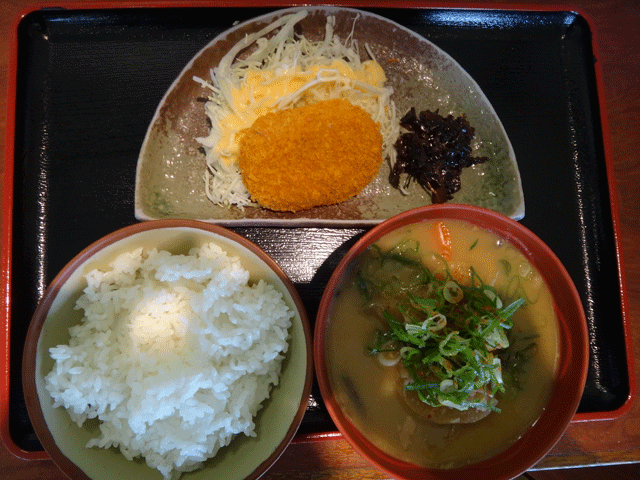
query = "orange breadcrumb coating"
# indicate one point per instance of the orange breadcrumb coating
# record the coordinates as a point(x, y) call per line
point(317, 154)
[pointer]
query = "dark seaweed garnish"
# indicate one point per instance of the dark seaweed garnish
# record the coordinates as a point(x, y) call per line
point(433, 152)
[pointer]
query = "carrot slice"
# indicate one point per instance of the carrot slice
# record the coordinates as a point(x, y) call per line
point(459, 276)
point(442, 239)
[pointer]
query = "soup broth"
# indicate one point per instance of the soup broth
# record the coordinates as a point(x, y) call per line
point(371, 394)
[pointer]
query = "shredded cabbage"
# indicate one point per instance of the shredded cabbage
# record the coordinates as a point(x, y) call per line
point(314, 71)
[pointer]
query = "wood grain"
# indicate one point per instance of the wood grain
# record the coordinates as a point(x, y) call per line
point(585, 444)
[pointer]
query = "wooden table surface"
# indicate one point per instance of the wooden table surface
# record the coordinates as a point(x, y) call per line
point(603, 442)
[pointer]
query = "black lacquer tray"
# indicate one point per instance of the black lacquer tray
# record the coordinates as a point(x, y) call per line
point(88, 83)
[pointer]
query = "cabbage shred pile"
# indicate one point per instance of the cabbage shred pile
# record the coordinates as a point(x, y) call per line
point(279, 50)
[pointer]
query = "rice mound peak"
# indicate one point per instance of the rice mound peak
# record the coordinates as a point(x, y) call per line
point(174, 355)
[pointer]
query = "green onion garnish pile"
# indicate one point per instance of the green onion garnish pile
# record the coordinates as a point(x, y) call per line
point(448, 336)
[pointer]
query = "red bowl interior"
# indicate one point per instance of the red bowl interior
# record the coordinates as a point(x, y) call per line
point(572, 339)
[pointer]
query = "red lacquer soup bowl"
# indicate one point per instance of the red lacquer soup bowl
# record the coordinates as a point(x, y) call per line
point(352, 405)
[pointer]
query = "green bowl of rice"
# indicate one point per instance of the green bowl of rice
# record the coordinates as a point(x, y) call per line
point(168, 349)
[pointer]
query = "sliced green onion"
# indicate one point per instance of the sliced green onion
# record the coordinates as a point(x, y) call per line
point(452, 292)
point(447, 335)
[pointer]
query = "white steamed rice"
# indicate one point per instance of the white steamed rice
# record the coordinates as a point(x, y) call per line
point(174, 355)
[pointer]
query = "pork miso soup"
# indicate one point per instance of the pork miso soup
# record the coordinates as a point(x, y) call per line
point(441, 344)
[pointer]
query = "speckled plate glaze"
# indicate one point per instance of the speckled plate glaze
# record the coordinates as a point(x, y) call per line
point(169, 175)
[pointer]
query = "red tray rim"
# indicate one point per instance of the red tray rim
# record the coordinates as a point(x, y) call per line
point(7, 200)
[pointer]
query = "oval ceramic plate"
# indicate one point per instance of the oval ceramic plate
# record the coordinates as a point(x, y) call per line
point(170, 170)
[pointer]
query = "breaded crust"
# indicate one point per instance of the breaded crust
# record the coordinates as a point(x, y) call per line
point(317, 154)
